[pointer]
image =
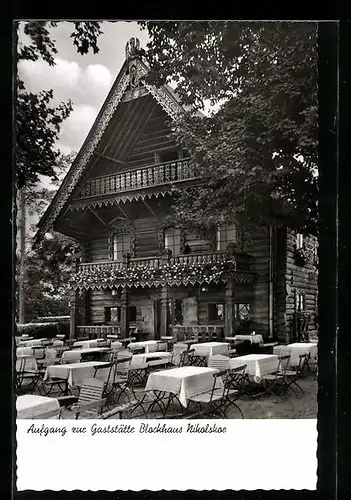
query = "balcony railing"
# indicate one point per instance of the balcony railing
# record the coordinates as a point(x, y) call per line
point(140, 178)
point(244, 262)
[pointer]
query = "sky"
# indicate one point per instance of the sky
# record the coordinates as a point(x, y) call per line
point(85, 79)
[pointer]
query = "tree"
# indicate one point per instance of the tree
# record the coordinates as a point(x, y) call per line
point(37, 131)
point(257, 154)
point(37, 121)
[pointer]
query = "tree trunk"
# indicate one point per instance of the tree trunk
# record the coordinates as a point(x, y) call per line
point(22, 253)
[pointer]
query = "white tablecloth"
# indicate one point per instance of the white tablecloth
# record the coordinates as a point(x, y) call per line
point(149, 345)
point(149, 356)
point(24, 351)
point(295, 349)
point(256, 364)
point(30, 405)
point(185, 381)
point(254, 339)
point(75, 373)
point(210, 348)
point(31, 343)
point(89, 344)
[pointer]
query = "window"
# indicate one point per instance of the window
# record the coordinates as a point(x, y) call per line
point(224, 235)
point(300, 301)
point(121, 245)
point(299, 241)
point(242, 311)
point(172, 240)
point(178, 312)
point(165, 156)
point(132, 313)
point(216, 312)
point(112, 314)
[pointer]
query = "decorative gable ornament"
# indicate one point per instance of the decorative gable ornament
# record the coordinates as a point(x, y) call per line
point(130, 76)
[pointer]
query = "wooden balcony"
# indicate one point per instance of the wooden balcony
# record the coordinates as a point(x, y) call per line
point(244, 262)
point(141, 178)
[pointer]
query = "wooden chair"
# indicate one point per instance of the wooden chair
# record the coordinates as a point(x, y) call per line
point(161, 346)
point(290, 377)
point(213, 402)
point(27, 376)
point(235, 382)
point(70, 357)
point(108, 378)
point(90, 401)
point(178, 349)
point(277, 378)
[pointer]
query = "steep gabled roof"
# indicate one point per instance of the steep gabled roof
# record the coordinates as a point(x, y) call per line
point(164, 95)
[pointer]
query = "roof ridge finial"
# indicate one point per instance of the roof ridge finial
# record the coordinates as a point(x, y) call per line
point(132, 47)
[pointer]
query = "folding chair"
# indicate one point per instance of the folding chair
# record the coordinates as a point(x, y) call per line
point(90, 401)
point(71, 357)
point(213, 402)
point(108, 379)
point(292, 376)
point(27, 374)
point(235, 382)
point(196, 359)
point(178, 349)
point(276, 379)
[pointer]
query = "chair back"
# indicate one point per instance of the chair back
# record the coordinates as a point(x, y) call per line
point(91, 390)
point(236, 378)
point(71, 357)
point(161, 346)
point(135, 348)
point(303, 359)
point(186, 357)
point(105, 372)
point(283, 363)
point(222, 375)
point(219, 361)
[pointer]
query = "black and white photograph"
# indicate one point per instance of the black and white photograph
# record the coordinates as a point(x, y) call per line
point(167, 226)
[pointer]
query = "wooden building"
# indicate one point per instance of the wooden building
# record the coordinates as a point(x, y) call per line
point(138, 271)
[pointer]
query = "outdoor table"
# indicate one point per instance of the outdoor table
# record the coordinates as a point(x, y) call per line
point(149, 345)
point(254, 339)
point(31, 343)
point(183, 382)
point(210, 348)
point(116, 345)
point(57, 343)
point(89, 344)
point(75, 373)
point(256, 364)
point(127, 340)
point(30, 405)
point(147, 356)
point(295, 349)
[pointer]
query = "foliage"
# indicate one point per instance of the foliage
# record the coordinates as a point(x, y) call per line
point(45, 275)
point(167, 273)
point(257, 153)
point(45, 330)
point(38, 122)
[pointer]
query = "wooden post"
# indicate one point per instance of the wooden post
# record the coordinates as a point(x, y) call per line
point(229, 313)
point(124, 313)
point(164, 319)
point(73, 315)
point(73, 306)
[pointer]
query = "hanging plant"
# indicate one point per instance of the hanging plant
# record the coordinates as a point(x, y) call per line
point(301, 256)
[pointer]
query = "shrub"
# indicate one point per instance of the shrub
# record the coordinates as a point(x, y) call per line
point(52, 319)
point(43, 330)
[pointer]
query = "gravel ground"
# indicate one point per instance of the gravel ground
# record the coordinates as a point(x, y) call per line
point(268, 406)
